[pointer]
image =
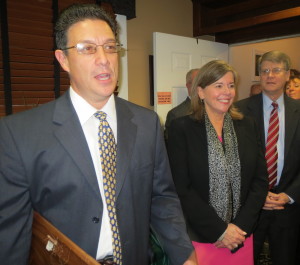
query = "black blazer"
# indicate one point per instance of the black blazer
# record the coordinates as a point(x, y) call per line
point(188, 156)
point(290, 177)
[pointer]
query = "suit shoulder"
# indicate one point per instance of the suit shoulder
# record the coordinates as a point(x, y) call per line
point(242, 102)
point(292, 102)
point(125, 105)
point(181, 109)
point(33, 114)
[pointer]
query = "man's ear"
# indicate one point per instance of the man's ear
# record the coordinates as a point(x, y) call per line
point(62, 59)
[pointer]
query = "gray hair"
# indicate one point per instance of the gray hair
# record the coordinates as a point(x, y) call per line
point(275, 57)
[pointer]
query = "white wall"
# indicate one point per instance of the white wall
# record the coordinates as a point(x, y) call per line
point(123, 63)
point(241, 58)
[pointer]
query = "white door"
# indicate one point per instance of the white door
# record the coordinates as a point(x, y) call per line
point(174, 56)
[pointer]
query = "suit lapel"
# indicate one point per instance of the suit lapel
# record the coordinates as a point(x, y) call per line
point(127, 131)
point(291, 120)
point(70, 135)
point(255, 109)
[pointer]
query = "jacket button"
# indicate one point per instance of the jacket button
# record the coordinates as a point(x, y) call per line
point(95, 220)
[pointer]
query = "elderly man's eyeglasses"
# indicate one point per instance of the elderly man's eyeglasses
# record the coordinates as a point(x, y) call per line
point(275, 71)
point(91, 48)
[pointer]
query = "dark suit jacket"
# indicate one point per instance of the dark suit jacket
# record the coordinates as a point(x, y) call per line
point(290, 177)
point(182, 109)
point(45, 165)
point(188, 156)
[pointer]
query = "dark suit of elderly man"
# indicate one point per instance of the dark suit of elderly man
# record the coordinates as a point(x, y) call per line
point(280, 217)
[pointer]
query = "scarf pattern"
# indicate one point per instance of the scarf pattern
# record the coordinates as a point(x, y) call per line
point(224, 170)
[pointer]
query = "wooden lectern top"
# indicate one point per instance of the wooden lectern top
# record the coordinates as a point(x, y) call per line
point(49, 246)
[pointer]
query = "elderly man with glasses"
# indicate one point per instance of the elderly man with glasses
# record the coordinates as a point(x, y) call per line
point(278, 117)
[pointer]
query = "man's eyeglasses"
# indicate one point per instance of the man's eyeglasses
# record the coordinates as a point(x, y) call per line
point(91, 48)
point(275, 71)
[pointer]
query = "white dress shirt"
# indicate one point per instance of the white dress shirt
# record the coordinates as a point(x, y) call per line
point(90, 126)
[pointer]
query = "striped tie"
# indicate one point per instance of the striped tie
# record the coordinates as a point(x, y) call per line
point(271, 147)
point(108, 155)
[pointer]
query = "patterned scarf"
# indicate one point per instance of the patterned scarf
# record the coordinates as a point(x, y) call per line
point(224, 170)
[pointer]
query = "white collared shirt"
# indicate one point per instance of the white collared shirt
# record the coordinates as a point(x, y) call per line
point(90, 124)
point(267, 108)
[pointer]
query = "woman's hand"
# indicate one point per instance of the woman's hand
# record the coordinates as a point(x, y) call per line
point(233, 237)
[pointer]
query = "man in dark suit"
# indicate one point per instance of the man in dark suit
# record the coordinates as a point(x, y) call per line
point(279, 221)
point(50, 159)
point(184, 107)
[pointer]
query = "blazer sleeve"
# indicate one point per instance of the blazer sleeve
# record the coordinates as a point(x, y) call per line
point(166, 214)
point(15, 206)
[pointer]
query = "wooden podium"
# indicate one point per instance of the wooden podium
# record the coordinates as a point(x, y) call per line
point(51, 247)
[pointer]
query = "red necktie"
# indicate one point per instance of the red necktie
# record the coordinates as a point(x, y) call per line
point(271, 146)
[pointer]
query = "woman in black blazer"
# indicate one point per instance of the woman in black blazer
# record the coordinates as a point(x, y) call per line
point(218, 166)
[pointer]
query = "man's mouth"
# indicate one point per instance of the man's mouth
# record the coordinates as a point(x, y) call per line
point(103, 77)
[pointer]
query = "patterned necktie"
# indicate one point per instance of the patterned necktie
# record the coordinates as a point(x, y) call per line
point(271, 147)
point(108, 155)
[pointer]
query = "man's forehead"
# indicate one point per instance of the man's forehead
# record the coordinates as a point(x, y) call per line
point(272, 62)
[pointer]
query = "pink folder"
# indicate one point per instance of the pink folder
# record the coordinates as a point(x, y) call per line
point(208, 254)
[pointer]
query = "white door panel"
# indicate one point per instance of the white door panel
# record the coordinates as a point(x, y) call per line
point(174, 56)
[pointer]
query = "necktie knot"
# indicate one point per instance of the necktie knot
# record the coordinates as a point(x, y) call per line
point(275, 105)
point(101, 115)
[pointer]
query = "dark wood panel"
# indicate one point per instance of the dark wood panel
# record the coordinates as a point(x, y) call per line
point(269, 30)
point(29, 27)
point(33, 94)
point(25, 10)
point(65, 82)
point(31, 59)
point(31, 73)
point(37, 3)
point(32, 87)
point(31, 66)
point(225, 19)
point(242, 7)
point(31, 52)
point(32, 80)
point(248, 22)
point(30, 41)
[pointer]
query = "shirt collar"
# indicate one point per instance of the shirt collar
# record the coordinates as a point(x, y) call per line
point(267, 102)
point(84, 110)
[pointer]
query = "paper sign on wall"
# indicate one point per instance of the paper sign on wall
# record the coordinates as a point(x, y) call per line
point(164, 98)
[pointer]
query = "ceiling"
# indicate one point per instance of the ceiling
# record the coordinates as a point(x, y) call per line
point(232, 21)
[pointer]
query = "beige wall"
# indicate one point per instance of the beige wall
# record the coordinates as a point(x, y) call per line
point(167, 16)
